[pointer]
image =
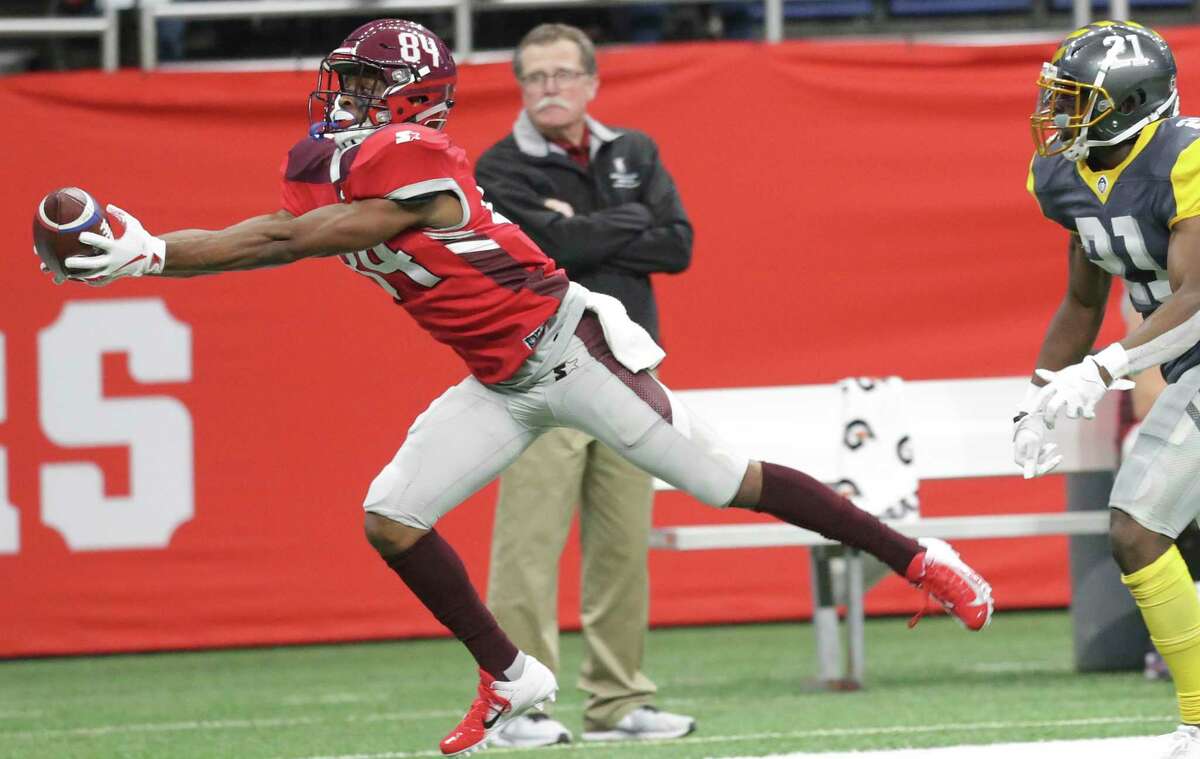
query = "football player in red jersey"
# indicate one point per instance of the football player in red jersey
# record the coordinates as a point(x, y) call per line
point(383, 188)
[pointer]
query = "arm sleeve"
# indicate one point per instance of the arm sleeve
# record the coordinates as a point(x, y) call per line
point(667, 246)
point(581, 242)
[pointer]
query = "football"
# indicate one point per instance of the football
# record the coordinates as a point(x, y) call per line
point(60, 217)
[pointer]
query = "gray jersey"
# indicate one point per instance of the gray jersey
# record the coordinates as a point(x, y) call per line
point(1124, 215)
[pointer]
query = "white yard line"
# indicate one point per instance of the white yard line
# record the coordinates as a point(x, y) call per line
point(954, 753)
point(227, 724)
point(1120, 752)
point(1106, 748)
point(160, 727)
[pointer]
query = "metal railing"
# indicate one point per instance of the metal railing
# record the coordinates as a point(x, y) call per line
point(151, 11)
point(464, 10)
point(103, 26)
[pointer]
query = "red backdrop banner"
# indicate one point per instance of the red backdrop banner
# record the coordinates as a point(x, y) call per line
point(182, 462)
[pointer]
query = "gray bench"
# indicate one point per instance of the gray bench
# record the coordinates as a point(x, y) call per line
point(960, 429)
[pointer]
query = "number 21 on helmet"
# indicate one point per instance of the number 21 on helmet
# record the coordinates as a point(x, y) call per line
point(1104, 84)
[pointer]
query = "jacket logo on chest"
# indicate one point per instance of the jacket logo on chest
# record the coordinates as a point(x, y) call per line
point(1102, 185)
point(623, 179)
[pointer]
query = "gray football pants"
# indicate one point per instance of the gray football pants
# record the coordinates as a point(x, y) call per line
point(1158, 484)
point(474, 431)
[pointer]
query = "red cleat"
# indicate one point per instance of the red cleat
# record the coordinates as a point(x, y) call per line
point(940, 572)
point(497, 702)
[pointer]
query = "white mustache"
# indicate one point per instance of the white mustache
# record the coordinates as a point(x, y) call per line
point(549, 102)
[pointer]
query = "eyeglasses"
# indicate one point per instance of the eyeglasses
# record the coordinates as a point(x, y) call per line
point(561, 77)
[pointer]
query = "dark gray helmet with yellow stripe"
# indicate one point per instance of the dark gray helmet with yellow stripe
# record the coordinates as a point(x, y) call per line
point(1105, 83)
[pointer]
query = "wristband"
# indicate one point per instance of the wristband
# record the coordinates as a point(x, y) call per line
point(157, 249)
point(1115, 361)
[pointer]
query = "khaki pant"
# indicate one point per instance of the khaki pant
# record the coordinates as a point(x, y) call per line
point(538, 497)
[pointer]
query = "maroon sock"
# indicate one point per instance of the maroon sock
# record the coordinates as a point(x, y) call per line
point(434, 573)
point(798, 499)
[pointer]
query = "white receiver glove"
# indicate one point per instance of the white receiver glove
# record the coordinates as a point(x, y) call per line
point(1074, 390)
point(133, 254)
point(1031, 452)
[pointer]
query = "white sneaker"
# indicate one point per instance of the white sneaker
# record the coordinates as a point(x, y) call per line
point(530, 730)
point(645, 723)
point(1184, 743)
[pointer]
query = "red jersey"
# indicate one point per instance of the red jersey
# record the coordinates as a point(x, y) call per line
point(481, 286)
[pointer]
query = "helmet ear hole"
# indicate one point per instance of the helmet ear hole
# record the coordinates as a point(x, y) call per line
point(1132, 102)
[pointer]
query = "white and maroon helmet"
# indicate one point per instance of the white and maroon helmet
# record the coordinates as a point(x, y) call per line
point(394, 70)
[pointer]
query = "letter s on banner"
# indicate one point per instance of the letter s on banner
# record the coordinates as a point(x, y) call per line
point(157, 429)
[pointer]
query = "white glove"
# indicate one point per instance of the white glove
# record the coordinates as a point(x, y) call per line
point(133, 254)
point(1031, 452)
point(1074, 390)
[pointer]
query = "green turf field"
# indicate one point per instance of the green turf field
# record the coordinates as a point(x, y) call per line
point(935, 685)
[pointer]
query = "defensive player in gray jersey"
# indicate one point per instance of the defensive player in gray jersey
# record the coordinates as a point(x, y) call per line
point(1120, 170)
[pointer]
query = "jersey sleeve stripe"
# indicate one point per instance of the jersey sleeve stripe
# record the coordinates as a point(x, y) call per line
point(472, 246)
point(429, 186)
point(1185, 183)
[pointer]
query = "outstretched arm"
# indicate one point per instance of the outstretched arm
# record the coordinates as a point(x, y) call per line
point(189, 234)
point(269, 240)
point(273, 241)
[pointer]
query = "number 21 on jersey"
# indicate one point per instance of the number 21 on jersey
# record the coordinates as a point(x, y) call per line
point(1098, 244)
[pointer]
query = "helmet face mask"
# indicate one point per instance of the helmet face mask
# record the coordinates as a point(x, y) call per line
point(386, 71)
point(1065, 107)
point(349, 95)
point(1105, 83)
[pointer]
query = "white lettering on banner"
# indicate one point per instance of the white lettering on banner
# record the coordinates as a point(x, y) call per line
point(10, 518)
point(157, 430)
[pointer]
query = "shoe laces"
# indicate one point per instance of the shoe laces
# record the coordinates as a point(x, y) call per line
point(944, 579)
point(486, 700)
point(925, 609)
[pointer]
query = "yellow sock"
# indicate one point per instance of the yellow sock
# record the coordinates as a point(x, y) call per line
point(1167, 598)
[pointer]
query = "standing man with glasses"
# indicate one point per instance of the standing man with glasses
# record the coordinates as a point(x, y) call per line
point(600, 203)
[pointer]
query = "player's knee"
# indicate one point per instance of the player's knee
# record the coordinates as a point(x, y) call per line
point(749, 492)
point(389, 537)
point(1133, 546)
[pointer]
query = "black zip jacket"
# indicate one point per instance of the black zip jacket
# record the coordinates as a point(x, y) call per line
point(628, 223)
